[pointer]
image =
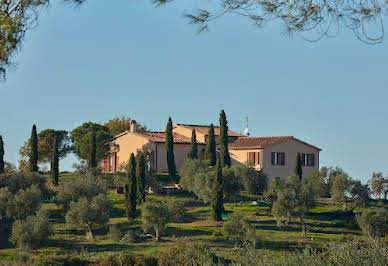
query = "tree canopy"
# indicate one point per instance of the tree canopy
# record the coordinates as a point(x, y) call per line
point(120, 124)
point(82, 135)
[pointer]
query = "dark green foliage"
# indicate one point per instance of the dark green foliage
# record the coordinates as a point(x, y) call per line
point(154, 216)
point(255, 182)
point(17, 181)
point(1, 155)
point(298, 171)
point(177, 210)
point(127, 259)
point(30, 233)
point(24, 203)
point(33, 163)
point(88, 213)
point(46, 145)
point(170, 150)
point(55, 163)
point(82, 138)
point(130, 189)
point(193, 154)
point(72, 188)
point(270, 196)
point(187, 252)
point(120, 124)
point(93, 150)
point(140, 177)
point(295, 199)
point(224, 151)
point(238, 229)
point(374, 223)
point(217, 197)
point(210, 152)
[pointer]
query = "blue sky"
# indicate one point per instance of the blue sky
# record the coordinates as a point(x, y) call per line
point(96, 62)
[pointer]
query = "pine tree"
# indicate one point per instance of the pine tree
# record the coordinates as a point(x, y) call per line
point(224, 151)
point(210, 152)
point(140, 177)
point(217, 198)
point(93, 150)
point(55, 162)
point(170, 150)
point(1, 155)
point(298, 166)
point(34, 150)
point(130, 188)
point(193, 146)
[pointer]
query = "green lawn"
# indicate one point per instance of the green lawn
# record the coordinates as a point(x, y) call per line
point(322, 228)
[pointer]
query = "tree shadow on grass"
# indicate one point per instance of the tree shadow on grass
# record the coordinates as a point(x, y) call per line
point(117, 213)
point(180, 232)
point(295, 227)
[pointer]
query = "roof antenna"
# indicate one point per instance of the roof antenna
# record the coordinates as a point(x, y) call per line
point(246, 130)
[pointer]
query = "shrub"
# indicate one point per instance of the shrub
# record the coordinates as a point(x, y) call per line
point(24, 203)
point(60, 260)
point(31, 232)
point(17, 181)
point(186, 252)
point(127, 259)
point(238, 229)
point(72, 188)
point(372, 252)
point(373, 224)
point(129, 237)
point(177, 210)
point(114, 233)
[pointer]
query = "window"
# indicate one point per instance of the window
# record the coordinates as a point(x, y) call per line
point(308, 159)
point(253, 158)
point(278, 158)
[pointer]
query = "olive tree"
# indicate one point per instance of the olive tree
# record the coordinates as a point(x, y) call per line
point(89, 213)
point(154, 217)
point(373, 223)
point(379, 185)
point(294, 200)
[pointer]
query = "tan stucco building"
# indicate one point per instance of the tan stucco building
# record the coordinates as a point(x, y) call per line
point(274, 156)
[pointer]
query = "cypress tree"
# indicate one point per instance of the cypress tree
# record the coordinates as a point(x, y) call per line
point(170, 150)
point(1, 155)
point(93, 150)
point(298, 166)
point(224, 151)
point(55, 162)
point(193, 146)
point(210, 152)
point(140, 177)
point(34, 150)
point(217, 198)
point(130, 188)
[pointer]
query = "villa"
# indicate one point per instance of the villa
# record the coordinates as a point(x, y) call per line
point(274, 156)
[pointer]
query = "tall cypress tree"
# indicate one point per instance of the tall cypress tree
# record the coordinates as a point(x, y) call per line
point(55, 161)
point(193, 146)
point(1, 155)
point(34, 150)
point(210, 152)
point(170, 150)
point(93, 150)
point(224, 151)
point(130, 189)
point(140, 177)
point(298, 166)
point(217, 198)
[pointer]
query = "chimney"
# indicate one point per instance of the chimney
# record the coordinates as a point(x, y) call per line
point(132, 127)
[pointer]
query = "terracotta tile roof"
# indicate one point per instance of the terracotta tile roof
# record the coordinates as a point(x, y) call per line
point(160, 137)
point(260, 142)
point(205, 129)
